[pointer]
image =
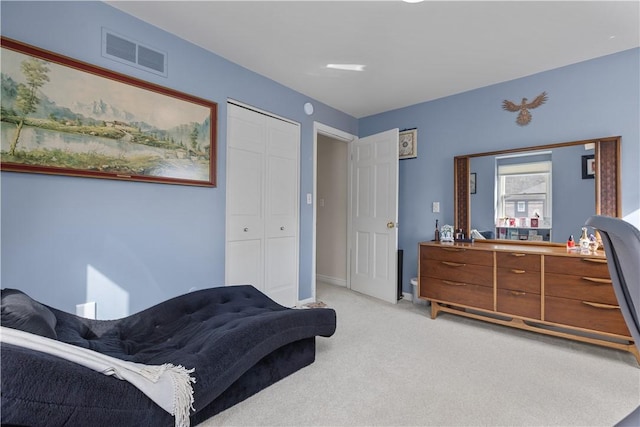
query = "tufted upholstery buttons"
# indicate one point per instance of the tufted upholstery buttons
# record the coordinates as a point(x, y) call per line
point(209, 321)
point(236, 338)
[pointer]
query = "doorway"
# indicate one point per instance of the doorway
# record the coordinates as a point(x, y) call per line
point(331, 211)
point(371, 212)
point(373, 220)
point(331, 206)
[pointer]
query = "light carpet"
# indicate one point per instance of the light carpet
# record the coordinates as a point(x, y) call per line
point(392, 365)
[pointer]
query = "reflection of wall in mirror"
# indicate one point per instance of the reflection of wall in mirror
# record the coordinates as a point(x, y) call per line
point(573, 197)
point(482, 203)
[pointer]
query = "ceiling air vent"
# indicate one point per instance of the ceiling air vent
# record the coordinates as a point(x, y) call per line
point(130, 52)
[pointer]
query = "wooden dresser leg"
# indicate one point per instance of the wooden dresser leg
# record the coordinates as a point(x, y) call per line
point(435, 308)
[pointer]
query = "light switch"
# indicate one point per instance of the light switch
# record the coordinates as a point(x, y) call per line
point(321, 203)
point(309, 199)
point(436, 207)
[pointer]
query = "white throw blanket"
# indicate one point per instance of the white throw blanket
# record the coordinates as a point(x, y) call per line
point(167, 385)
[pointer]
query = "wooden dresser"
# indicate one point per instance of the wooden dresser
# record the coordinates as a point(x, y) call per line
point(539, 288)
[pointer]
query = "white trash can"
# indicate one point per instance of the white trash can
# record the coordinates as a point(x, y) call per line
point(414, 288)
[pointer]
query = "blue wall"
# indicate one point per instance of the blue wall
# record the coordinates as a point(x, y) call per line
point(64, 237)
point(156, 241)
point(592, 99)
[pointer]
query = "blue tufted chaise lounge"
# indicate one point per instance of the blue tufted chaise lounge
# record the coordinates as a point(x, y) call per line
point(238, 340)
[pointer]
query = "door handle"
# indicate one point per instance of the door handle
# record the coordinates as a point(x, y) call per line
point(391, 224)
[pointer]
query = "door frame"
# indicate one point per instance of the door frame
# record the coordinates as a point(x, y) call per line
point(337, 134)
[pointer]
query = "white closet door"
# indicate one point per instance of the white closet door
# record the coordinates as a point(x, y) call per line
point(244, 263)
point(262, 204)
point(282, 201)
point(245, 198)
point(245, 219)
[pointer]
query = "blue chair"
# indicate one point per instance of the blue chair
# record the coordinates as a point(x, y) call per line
point(621, 242)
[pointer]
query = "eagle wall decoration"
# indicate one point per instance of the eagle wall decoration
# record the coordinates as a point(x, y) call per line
point(524, 116)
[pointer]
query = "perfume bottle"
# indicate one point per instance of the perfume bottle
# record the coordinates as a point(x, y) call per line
point(437, 233)
point(584, 239)
point(571, 243)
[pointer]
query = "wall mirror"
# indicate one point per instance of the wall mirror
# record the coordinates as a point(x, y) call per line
point(538, 194)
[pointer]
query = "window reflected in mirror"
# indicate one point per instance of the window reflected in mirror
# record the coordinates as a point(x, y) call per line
point(524, 202)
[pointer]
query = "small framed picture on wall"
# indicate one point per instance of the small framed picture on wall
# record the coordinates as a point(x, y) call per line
point(472, 183)
point(588, 167)
point(408, 144)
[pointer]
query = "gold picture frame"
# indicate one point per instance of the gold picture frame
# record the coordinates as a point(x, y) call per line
point(66, 117)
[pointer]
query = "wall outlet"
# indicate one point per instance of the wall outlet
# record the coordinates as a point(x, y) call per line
point(436, 207)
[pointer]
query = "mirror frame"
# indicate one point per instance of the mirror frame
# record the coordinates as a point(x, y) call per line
point(607, 179)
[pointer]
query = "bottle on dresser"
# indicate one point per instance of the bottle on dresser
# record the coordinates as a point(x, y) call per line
point(584, 242)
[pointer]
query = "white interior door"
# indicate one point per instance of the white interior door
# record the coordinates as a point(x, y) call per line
point(374, 215)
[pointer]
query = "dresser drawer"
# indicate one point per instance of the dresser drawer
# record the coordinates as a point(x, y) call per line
point(583, 288)
point(584, 314)
point(458, 272)
point(519, 280)
point(456, 293)
point(457, 254)
point(592, 267)
point(519, 303)
point(519, 260)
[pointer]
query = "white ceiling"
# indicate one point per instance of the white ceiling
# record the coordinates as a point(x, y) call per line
point(412, 52)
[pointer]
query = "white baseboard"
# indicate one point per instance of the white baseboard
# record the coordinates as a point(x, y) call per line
point(331, 280)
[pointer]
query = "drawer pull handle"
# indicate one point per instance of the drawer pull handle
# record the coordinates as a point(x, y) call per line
point(447, 282)
point(454, 249)
point(518, 271)
point(453, 264)
point(598, 305)
point(595, 261)
point(597, 280)
point(517, 254)
point(517, 293)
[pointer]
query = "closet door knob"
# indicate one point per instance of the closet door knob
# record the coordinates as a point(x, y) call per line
point(246, 229)
point(282, 228)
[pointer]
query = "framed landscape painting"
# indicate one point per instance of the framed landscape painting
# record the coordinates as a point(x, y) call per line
point(65, 117)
